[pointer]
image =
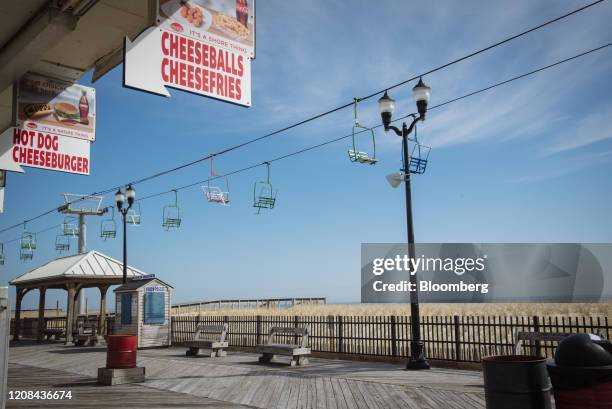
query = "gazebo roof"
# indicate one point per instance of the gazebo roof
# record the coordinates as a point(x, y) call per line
point(90, 266)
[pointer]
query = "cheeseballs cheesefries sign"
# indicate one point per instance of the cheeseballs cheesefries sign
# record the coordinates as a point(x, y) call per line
point(58, 107)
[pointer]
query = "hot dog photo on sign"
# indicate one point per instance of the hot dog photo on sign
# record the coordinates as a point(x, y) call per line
point(58, 107)
point(229, 23)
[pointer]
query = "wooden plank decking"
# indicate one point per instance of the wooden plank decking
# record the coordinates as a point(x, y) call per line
point(86, 393)
point(238, 379)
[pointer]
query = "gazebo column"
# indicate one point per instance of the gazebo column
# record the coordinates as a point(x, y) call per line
point(19, 296)
point(41, 313)
point(72, 291)
point(102, 316)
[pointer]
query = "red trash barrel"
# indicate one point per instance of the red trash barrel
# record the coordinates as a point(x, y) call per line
point(121, 351)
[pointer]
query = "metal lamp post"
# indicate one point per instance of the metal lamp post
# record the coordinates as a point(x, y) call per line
point(386, 106)
point(130, 193)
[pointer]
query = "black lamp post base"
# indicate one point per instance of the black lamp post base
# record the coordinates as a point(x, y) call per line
point(416, 364)
point(417, 359)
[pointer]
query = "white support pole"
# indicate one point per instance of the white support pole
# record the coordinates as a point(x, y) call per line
point(82, 303)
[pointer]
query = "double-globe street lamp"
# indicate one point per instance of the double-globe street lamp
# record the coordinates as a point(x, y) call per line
point(120, 197)
point(386, 105)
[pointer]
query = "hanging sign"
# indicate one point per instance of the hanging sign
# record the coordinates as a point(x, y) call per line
point(34, 148)
point(144, 277)
point(56, 106)
point(229, 24)
point(160, 58)
point(155, 289)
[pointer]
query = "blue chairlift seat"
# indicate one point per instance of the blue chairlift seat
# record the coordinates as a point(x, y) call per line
point(418, 158)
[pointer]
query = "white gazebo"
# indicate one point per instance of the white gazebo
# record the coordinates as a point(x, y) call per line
point(72, 273)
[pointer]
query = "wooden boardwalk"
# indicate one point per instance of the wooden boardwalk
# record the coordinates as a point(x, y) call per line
point(239, 380)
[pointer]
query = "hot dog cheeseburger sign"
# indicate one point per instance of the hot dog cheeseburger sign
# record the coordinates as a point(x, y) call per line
point(183, 52)
point(31, 147)
point(56, 124)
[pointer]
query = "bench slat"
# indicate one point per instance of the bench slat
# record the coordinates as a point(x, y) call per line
point(279, 349)
point(289, 330)
point(206, 344)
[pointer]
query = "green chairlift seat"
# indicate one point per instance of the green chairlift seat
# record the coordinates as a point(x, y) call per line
point(134, 215)
point(108, 227)
point(70, 226)
point(27, 241)
point(171, 217)
point(26, 255)
point(62, 243)
point(356, 155)
point(264, 195)
point(27, 245)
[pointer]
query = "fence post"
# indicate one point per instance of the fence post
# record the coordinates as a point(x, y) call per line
point(296, 323)
point(340, 335)
point(393, 337)
point(258, 330)
point(457, 336)
point(536, 328)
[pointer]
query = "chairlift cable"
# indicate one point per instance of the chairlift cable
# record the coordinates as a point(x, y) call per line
point(328, 142)
point(331, 141)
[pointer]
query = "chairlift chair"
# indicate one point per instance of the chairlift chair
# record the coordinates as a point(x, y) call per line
point(28, 241)
point(418, 157)
point(134, 215)
point(171, 217)
point(354, 154)
point(215, 194)
point(62, 243)
point(264, 196)
point(27, 245)
point(26, 255)
point(108, 227)
point(71, 226)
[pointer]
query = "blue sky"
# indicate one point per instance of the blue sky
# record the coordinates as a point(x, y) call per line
point(527, 162)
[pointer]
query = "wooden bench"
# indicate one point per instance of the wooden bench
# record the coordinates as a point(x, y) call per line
point(298, 352)
point(51, 334)
point(85, 334)
point(535, 337)
point(209, 337)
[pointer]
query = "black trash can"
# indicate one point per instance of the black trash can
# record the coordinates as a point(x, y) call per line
point(516, 381)
point(581, 373)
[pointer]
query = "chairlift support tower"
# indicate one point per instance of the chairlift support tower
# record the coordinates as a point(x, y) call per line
point(82, 206)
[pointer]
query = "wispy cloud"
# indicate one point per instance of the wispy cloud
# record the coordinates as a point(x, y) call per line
point(565, 168)
point(592, 129)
